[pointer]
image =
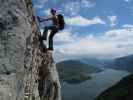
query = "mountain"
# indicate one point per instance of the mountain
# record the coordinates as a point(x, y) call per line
point(123, 90)
point(74, 71)
point(92, 61)
point(124, 63)
point(100, 63)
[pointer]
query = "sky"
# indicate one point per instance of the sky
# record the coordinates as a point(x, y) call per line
point(94, 28)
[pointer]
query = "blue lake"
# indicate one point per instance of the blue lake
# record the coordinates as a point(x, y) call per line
point(90, 89)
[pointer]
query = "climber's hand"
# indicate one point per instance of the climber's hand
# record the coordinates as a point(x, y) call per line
point(39, 18)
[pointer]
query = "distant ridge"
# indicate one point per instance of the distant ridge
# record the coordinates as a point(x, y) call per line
point(123, 90)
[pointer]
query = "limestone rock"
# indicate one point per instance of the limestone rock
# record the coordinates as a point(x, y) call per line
point(24, 66)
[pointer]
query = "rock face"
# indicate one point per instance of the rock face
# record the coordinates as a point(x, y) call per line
point(26, 70)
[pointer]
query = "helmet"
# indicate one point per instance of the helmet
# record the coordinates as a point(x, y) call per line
point(53, 10)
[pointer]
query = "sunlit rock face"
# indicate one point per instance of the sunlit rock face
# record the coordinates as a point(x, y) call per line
point(24, 66)
point(14, 29)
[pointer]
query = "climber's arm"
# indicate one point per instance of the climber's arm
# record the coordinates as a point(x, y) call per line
point(44, 19)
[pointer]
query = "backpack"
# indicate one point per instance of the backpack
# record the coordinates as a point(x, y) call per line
point(61, 21)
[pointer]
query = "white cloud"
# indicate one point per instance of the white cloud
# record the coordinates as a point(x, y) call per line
point(87, 3)
point(40, 4)
point(81, 21)
point(127, 0)
point(114, 43)
point(47, 12)
point(64, 37)
point(113, 20)
point(128, 26)
point(73, 8)
point(42, 1)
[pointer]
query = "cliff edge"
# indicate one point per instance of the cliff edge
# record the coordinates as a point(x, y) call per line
point(27, 71)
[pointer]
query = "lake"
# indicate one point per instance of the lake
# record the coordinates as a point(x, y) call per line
point(90, 89)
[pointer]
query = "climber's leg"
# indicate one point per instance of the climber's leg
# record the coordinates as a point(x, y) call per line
point(53, 32)
point(43, 44)
point(44, 36)
point(51, 41)
point(45, 32)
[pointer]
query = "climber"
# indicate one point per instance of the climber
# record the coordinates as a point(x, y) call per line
point(58, 24)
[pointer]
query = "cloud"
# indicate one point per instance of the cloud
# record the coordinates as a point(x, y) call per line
point(42, 1)
point(39, 4)
point(127, 26)
point(81, 21)
point(69, 7)
point(113, 20)
point(73, 8)
point(87, 3)
point(47, 12)
point(127, 0)
point(113, 43)
point(64, 37)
